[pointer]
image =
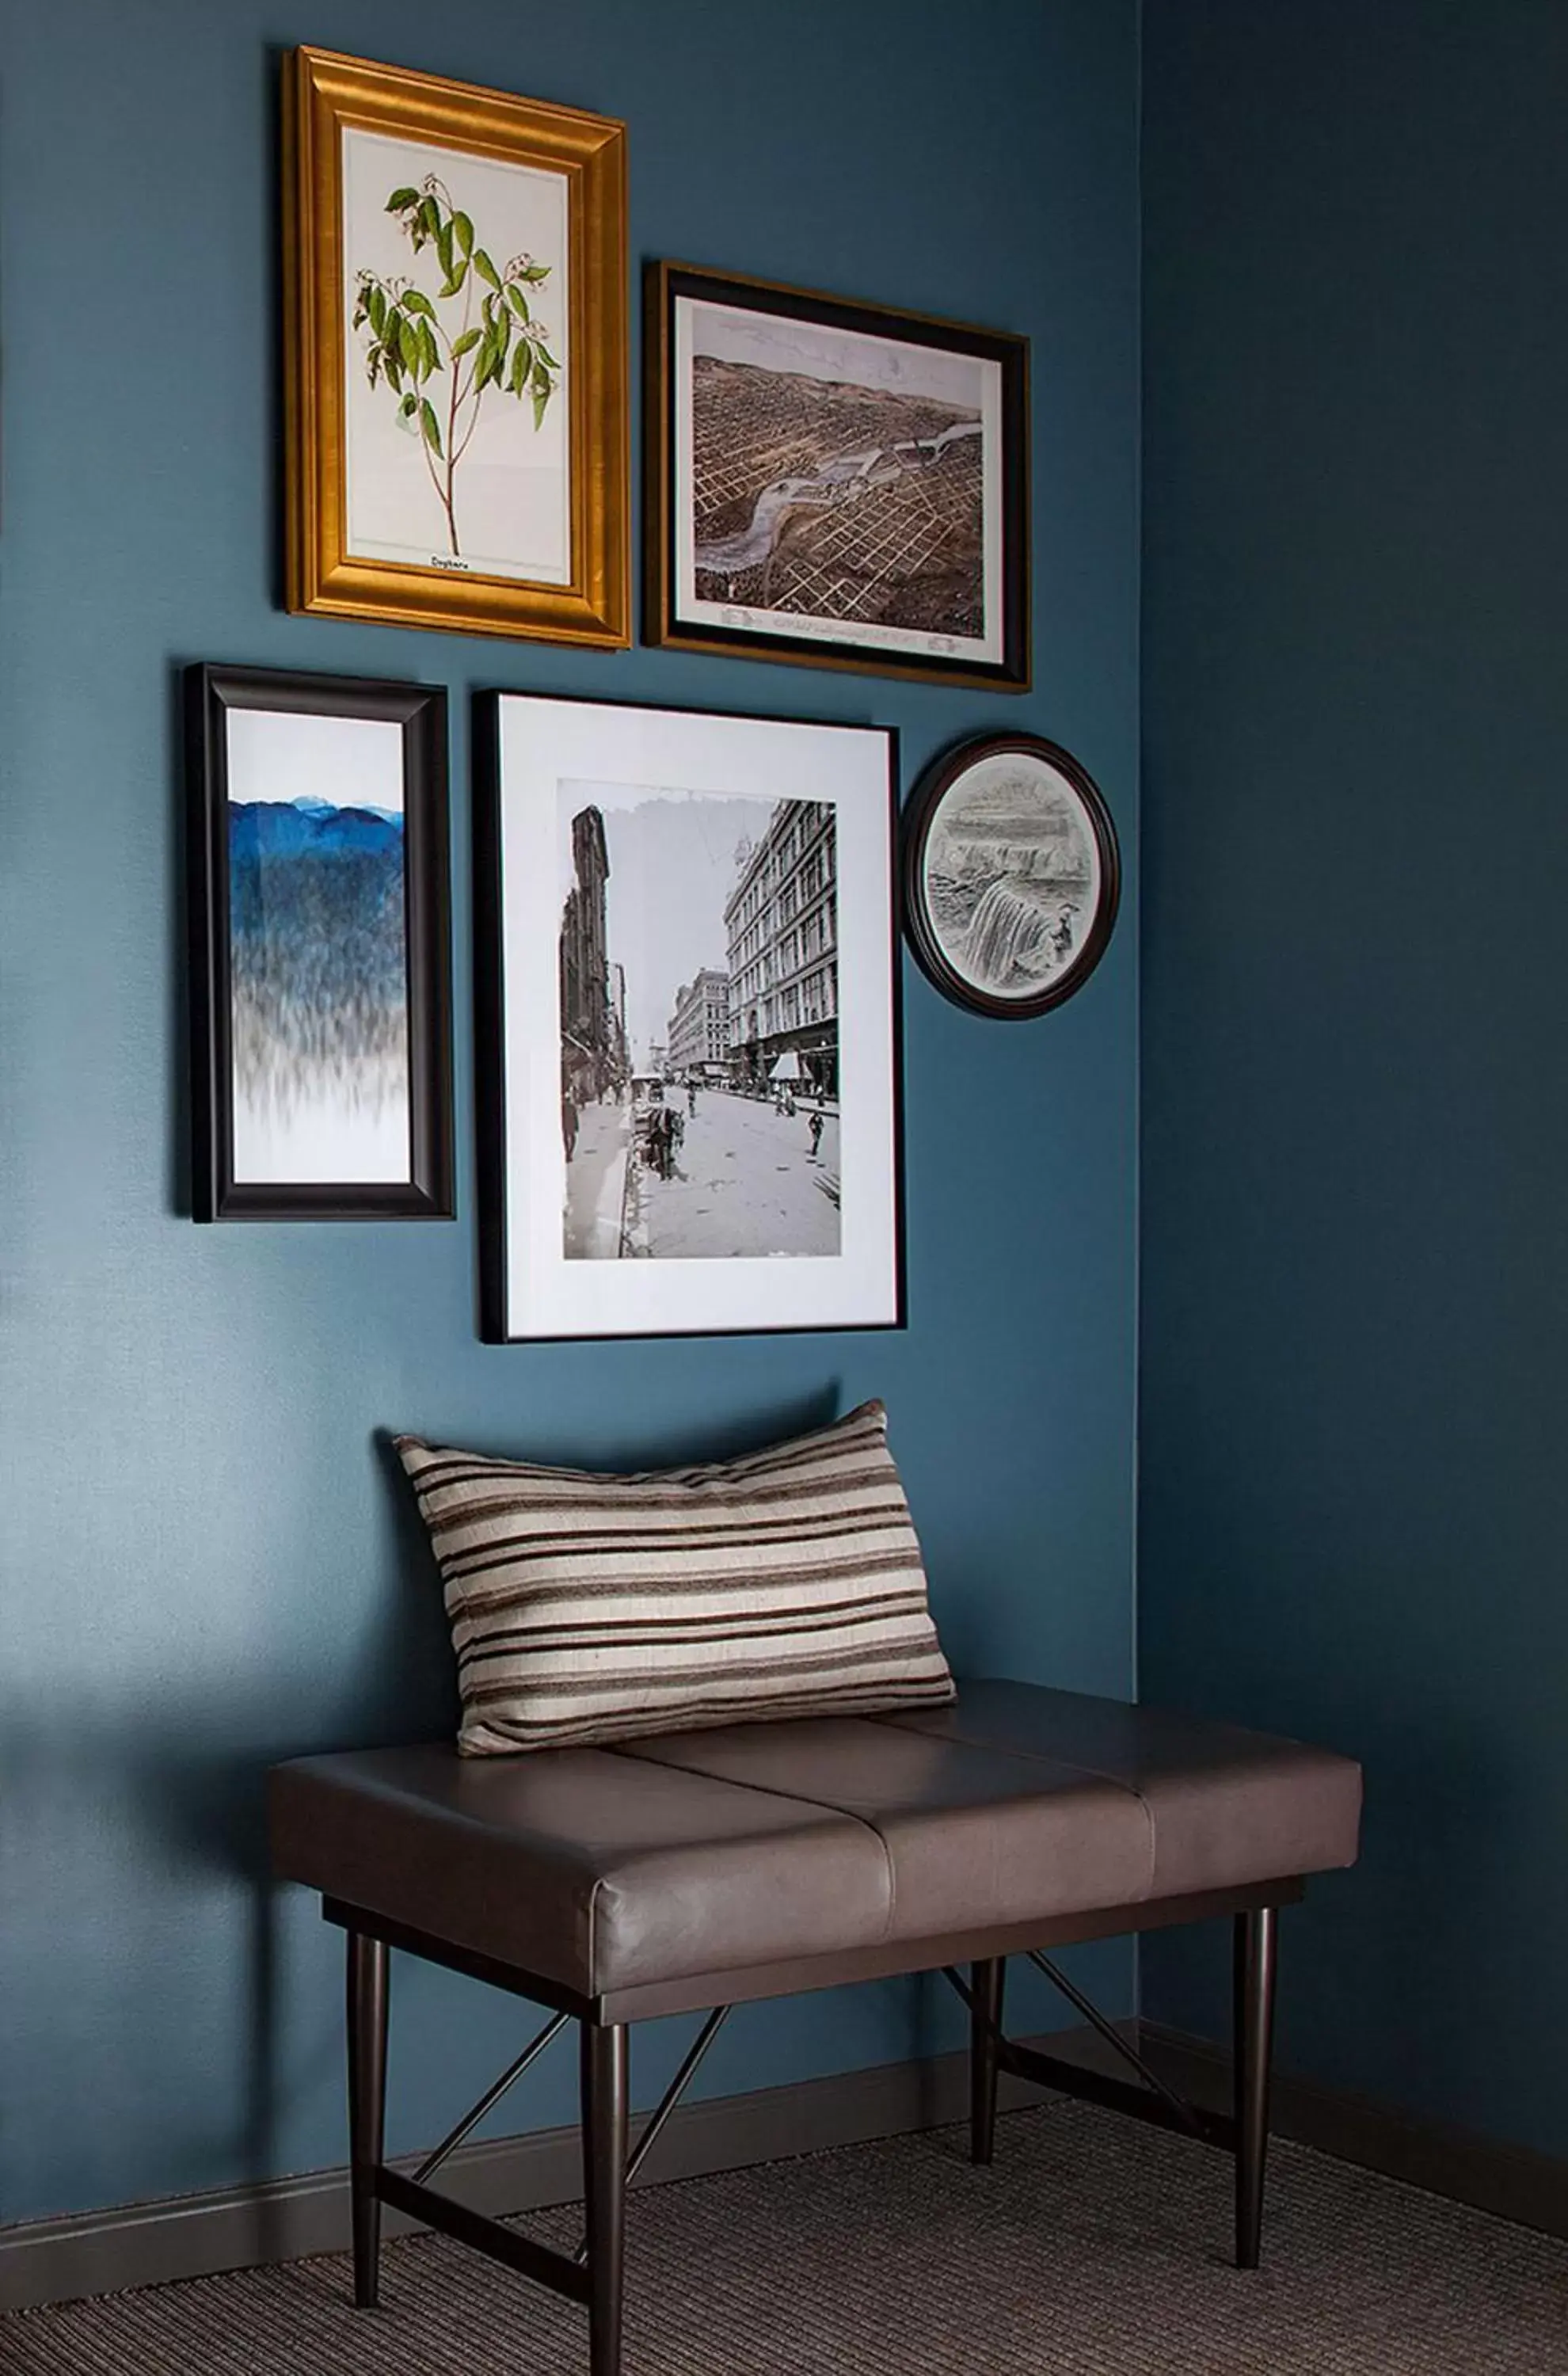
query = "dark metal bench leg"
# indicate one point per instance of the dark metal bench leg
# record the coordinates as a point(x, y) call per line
point(368, 1961)
point(985, 2022)
point(604, 2187)
point(1256, 1941)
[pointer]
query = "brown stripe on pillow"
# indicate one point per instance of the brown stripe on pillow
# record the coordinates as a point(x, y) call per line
point(506, 1548)
point(587, 1608)
point(768, 1676)
point(769, 1586)
point(697, 1526)
point(696, 1625)
point(485, 1489)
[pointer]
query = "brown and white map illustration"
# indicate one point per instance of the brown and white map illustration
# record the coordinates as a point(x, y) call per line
point(832, 501)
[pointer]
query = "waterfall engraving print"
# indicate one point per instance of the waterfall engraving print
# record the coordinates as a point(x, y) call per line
point(1010, 875)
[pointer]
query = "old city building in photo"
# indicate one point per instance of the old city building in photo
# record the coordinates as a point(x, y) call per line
point(699, 1028)
point(781, 923)
point(593, 1039)
point(615, 1034)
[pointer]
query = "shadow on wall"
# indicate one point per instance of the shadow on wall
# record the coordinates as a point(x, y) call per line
point(135, 1817)
point(146, 1820)
point(1439, 1799)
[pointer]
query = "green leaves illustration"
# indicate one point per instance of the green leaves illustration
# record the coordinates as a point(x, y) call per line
point(438, 361)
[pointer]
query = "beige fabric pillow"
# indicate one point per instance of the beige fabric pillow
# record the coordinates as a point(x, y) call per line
point(591, 1607)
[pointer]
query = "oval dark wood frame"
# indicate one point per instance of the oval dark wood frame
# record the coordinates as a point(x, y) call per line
point(920, 814)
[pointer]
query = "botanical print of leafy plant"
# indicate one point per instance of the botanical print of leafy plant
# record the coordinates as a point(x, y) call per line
point(414, 339)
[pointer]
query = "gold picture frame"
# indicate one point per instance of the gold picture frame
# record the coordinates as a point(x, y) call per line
point(406, 337)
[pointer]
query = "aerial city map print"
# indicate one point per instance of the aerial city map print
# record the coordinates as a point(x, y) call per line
point(840, 479)
point(875, 517)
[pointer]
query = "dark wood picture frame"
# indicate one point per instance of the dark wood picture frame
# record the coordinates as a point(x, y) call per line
point(941, 781)
point(419, 711)
point(514, 1262)
point(926, 651)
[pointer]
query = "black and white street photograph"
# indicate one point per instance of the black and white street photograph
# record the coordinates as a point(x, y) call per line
point(699, 1031)
point(707, 1137)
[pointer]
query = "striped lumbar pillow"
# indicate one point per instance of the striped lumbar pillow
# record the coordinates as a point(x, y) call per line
point(588, 1607)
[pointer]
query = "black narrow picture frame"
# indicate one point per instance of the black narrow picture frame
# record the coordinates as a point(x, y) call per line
point(665, 620)
point(419, 711)
point(498, 1267)
point(489, 1016)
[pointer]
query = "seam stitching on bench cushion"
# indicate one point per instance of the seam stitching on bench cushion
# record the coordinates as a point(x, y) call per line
point(796, 1799)
point(1047, 1757)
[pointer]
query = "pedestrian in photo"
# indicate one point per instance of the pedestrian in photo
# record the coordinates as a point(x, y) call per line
point(815, 1131)
point(661, 1139)
point(691, 1097)
point(568, 1123)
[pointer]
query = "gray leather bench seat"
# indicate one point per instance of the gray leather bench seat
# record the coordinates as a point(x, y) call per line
point(793, 1855)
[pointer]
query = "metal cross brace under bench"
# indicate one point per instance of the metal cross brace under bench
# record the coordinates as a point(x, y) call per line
point(563, 2273)
point(1243, 2133)
point(592, 2275)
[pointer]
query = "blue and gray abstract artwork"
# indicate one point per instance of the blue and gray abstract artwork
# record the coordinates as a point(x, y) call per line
point(319, 973)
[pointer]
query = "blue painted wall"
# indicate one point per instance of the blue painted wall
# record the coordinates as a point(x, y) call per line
point(1355, 1320)
point(207, 1563)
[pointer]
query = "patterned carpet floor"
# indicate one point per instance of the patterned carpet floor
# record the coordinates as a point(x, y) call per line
point(1093, 2247)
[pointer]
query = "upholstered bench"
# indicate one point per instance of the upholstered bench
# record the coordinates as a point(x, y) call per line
point(694, 1871)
